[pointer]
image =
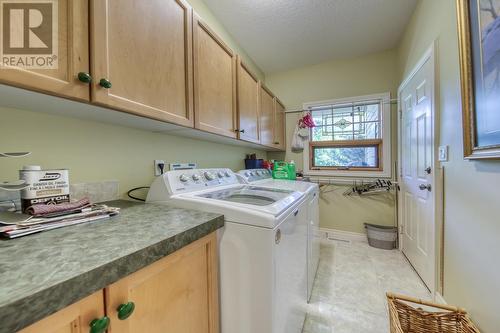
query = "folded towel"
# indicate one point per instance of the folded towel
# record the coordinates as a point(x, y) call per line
point(42, 210)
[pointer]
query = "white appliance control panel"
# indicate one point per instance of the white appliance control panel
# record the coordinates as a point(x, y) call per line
point(251, 175)
point(182, 181)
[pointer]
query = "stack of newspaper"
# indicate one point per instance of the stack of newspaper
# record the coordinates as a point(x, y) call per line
point(17, 225)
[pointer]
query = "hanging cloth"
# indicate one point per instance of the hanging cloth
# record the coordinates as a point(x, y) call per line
point(301, 132)
point(297, 141)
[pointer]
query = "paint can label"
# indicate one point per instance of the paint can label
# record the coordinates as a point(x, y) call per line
point(47, 187)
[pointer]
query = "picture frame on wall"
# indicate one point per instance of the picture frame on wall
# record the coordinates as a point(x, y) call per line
point(479, 50)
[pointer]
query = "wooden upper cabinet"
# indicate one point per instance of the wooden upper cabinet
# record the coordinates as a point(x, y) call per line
point(176, 294)
point(279, 125)
point(70, 55)
point(248, 104)
point(214, 82)
point(72, 319)
point(142, 52)
point(266, 117)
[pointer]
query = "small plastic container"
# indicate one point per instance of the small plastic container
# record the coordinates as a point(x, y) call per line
point(253, 164)
point(292, 175)
point(381, 237)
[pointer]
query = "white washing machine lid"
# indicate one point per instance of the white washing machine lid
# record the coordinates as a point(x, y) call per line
point(250, 195)
point(256, 206)
point(253, 198)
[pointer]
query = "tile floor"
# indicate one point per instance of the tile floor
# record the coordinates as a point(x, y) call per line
point(349, 291)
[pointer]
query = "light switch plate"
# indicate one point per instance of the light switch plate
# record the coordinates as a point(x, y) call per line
point(443, 153)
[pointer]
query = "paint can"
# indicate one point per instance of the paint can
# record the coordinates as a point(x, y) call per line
point(47, 187)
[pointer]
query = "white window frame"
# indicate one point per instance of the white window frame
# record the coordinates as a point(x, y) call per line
point(386, 127)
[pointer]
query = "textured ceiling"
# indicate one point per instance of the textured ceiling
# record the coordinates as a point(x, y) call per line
point(284, 34)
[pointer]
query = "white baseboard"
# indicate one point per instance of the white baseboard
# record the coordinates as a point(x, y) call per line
point(438, 298)
point(346, 236)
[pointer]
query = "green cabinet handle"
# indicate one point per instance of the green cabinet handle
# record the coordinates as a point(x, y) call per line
point(105, 83)
point(125, 310)
point(84, 77)
point(99, 325)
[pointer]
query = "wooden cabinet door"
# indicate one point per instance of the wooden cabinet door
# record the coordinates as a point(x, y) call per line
point(177, 294)
point(248, 104)
point(214, 82)
point(144, 49)
point(72, 56)
point(279, 125)
point(75, 318)
point(266, 117)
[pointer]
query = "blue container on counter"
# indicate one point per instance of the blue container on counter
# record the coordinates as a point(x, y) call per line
point(253, 164)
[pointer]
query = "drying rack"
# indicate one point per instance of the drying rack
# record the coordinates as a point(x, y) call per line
point(379, 186)
point(359, 186)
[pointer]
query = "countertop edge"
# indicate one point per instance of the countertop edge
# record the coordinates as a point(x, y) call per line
point(81, 286)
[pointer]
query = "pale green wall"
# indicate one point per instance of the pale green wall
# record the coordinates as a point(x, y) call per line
point(471, 199)
point(376, 73)
point(94, 151)
point(206, 14)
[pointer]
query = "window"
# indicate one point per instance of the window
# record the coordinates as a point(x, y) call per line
point(349, 137)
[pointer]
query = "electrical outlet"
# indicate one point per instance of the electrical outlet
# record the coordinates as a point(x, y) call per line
point(443, 153)
point(158, 169)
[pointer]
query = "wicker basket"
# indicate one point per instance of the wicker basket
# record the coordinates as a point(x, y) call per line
point(435, 318)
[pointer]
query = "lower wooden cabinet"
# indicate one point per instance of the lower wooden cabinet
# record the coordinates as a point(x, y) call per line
point(75, 318)
point(176, 294)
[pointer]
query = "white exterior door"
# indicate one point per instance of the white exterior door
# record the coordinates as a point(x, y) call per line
point(417, 169)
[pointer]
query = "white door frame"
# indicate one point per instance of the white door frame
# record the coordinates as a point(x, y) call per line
point(429, 55)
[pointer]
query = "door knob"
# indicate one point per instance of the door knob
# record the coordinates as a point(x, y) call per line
point(125, 310)
point(424, 187)
point(99, 325)
point(428, 170)
point(105, 83)
point(84, 77)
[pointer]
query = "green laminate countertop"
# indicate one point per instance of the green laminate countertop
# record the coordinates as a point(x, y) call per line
point(43, 273)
